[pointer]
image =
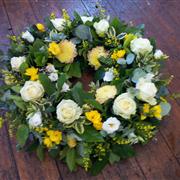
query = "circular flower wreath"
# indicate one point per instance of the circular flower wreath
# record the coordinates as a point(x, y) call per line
point(48, 107)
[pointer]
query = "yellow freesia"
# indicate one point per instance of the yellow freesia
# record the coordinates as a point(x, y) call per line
point(40, 27)
point(32, 72)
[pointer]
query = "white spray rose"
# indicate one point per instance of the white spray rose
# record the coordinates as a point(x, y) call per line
point(105, 93)
point(50, 68)
point(86, 18)
point(65, 87)
point(111, 125)
point(109, 75)
point(53, 76)
point(124, 106)
point(101, 27)
point(28, 36)
point(16, 62)
point(147, 90)
point(158, 54)
point(35, 119)
point(68, 111)
point(58, 23)
point(141, 46)
point(32, 90)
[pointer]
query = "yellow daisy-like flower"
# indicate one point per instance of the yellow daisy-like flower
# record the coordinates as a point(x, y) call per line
point(95, 118)
point(95, 54)
point(67, 52)
point(32, 72)
point(156, 111)
point(40, 27)
point(47, 142)
point(118, 54)
point(54, 48)
point(55, 136)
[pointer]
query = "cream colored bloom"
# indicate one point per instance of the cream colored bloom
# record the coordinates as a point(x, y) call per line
point(101, 27)
point(147, 90)
point(68, 111)
point(111, 125)
point(16, 62)
point(58, 23)
point(35, 119)
point(28, 36)
point(158, 54)
point(32, 90)
point(124, 106)
point(141, 46)
point(105, 93)
point(86, 18)
point(95, 54)
point(67, 52)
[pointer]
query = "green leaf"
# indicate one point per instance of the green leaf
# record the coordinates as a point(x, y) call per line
point(75, 70)
point(83, 32)
point(62, 79)
point(123, 151)
point(40, 152)
point(23, 67)
point(165, 107)
point(128, 40)
point(99, 165)
point(113, 158)
point(22, 134)
point(106, 61)
point(54, 152)
point(99, 74)
point(16, 88)
point(49, 87)
point(95, 104)
point(91, 135)
point(18, 101)
point(71, 159)
point(118, 25)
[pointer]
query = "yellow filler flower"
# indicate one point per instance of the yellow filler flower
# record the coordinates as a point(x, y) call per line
point(32, 72)
point(118, 54)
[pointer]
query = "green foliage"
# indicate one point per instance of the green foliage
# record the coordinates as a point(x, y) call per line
point(75, 70)
point(118, 25)
point(165, 107)
point(83, 32)
point(49, 87)
point(71, 159)
point(106, 61)
point(22, 134)
point(40, 152)
point(61, 80)
point(95, 104)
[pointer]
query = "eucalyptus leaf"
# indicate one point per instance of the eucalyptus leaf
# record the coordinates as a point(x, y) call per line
point(83, 32)
point(22, 134)
point(138, 73)
point(130, 58)
point(165, 107)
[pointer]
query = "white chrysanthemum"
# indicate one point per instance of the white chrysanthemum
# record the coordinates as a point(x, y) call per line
point(111, 125)
point(101, 27)
point(16, 62)
point(53, 76)
point(28, 36)
point(141, 46)
point(105, 93)
point(68, 111)
point(32, 90)
point(86, 18)
point(58, 23)
point(158, 54)
point(147, 90)
point(35, 119)
point(124, 106)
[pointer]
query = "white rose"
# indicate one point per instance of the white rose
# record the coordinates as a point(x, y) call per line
point(58, 23)
point(35, 120)
point(111, 125)
point(147, 90)
point(101, 27)
point(28, 36)
point(50, 68)
point(158, 54)
point(141, 46)
point(86, 18)
point(124, 106)
point(105, 93)
point(68, 111)
point(65, 87)
point(16, 62)
point(109, 75)
point(53, 76)
point(32, 90)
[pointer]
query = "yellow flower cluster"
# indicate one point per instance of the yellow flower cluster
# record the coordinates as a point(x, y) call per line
point(65, 51)
point(154, 111)
point(32, 72)
point(40, 27)
point(95, 117)
point(118, 54)
point(52, 137)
